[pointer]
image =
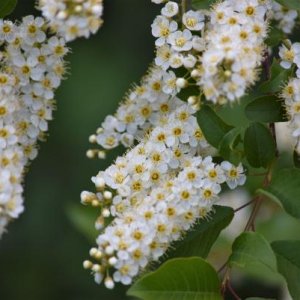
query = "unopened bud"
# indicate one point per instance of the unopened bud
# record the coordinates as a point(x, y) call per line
point(112, 261)
point(101, 155)
point(195, 73)
point(109, 284)
point(93, 252)
point(107, 195)
point(192, 100)
point(93, 139)
point(90, 153)
point(181, 83)
point(105, 213)
point(78, 8)
point(99, 183)
point(95, 203)
point(96, 268)
point(227, 73)
point(109, 250)
point(87, 264)
point(62, 15)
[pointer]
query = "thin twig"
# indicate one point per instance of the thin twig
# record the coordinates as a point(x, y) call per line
point(243, 206)
point(232, 291)
point(258, 201)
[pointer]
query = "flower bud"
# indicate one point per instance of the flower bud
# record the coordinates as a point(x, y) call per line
point(181, 83)
point(107, 195)
point(87, 264)
point(112, 261)
point(109, 284)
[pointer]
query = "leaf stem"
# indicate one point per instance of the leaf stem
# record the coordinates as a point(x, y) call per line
point(232, 291)
point(250, 224)
point(243, 206)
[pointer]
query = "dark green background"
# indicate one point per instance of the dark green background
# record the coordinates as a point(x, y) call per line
point(41, 256)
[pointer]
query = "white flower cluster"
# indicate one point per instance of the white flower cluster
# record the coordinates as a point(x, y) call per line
point(286, 18)
point(31, 68)
point(235, 46)
point(178, 46)
point(154, 193)
point(290, 56)
point(73, 18)
point(146, 106)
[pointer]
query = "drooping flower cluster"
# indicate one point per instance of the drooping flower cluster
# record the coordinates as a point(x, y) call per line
point(148, 104)
point(31, 68)
point(219, 51)
point(73, 18)
point(235, 48)
point(145, 107)
point(286, 18)
point(290, 57)
point(158, 190)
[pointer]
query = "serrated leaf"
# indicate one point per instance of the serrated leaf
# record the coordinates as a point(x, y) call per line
point(266, 109)
point(279, 77)
point(177, 279)
point(202, 4)
point(259, 145)
point(199, 240)
point(291, 4)
point(288, 262)
point(285, 189)
point(212, 126)
point(252, 253)
point(7, 7)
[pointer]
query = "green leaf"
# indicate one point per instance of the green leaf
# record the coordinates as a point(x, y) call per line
point(253, 254)
point(275, 37)
point(259, 145)
point(202, 4)
point(288, 262)
point(213, 127)
point(279, 77)
point(285, 189)
point(177, 279)
point(266, 109)
point(227, 146)
point(291, 4)
point(7, 7)
point(199, 240)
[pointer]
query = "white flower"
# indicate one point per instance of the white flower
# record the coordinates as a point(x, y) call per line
point(181, 40)
point(193, 20)
point(234, 175)
point(32, 69)
point(162, 28)
point(170, 10)
point(289, 55)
